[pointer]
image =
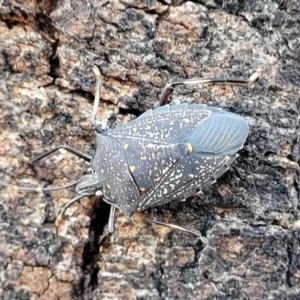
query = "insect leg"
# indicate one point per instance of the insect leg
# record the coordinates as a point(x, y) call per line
point(66, 147)
point(169, 88)
point(194, 232)
point(97, 94)
point(111, 220)
point(60, 216)
point(110, 227)
point(53, 188)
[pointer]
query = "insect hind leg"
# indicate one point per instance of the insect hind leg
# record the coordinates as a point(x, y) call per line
point(169, 88)
point(191, 231)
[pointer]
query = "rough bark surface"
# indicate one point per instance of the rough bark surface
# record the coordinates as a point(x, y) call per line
point(250, 216)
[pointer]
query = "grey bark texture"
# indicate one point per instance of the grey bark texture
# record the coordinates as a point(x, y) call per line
point(250, 216)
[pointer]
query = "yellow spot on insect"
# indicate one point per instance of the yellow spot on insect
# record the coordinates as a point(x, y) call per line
point(143, 157)
point(108, 186)
point(189, 148)
point(142, 189)
point(102, 171)
point(227, 158)
point(125, 146)
point(131, 168)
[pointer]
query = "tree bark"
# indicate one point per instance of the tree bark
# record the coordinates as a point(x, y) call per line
point(250, 216)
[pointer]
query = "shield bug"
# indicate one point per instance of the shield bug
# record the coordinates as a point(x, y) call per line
point(166, 154)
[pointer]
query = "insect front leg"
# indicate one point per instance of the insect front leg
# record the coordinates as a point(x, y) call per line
point(43, 155)
point(93, 117)
point(67, 148)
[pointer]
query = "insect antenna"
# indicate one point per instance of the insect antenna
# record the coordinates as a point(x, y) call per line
point(38, 189)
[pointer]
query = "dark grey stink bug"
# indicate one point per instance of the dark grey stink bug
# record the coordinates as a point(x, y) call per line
point(166, 154)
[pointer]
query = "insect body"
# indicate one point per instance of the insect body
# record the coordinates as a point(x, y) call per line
point(168, 153)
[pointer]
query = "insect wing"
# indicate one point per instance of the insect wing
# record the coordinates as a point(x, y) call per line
point(214, 142)
point(183, 180)
point(149, 161)
point(220, 134)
